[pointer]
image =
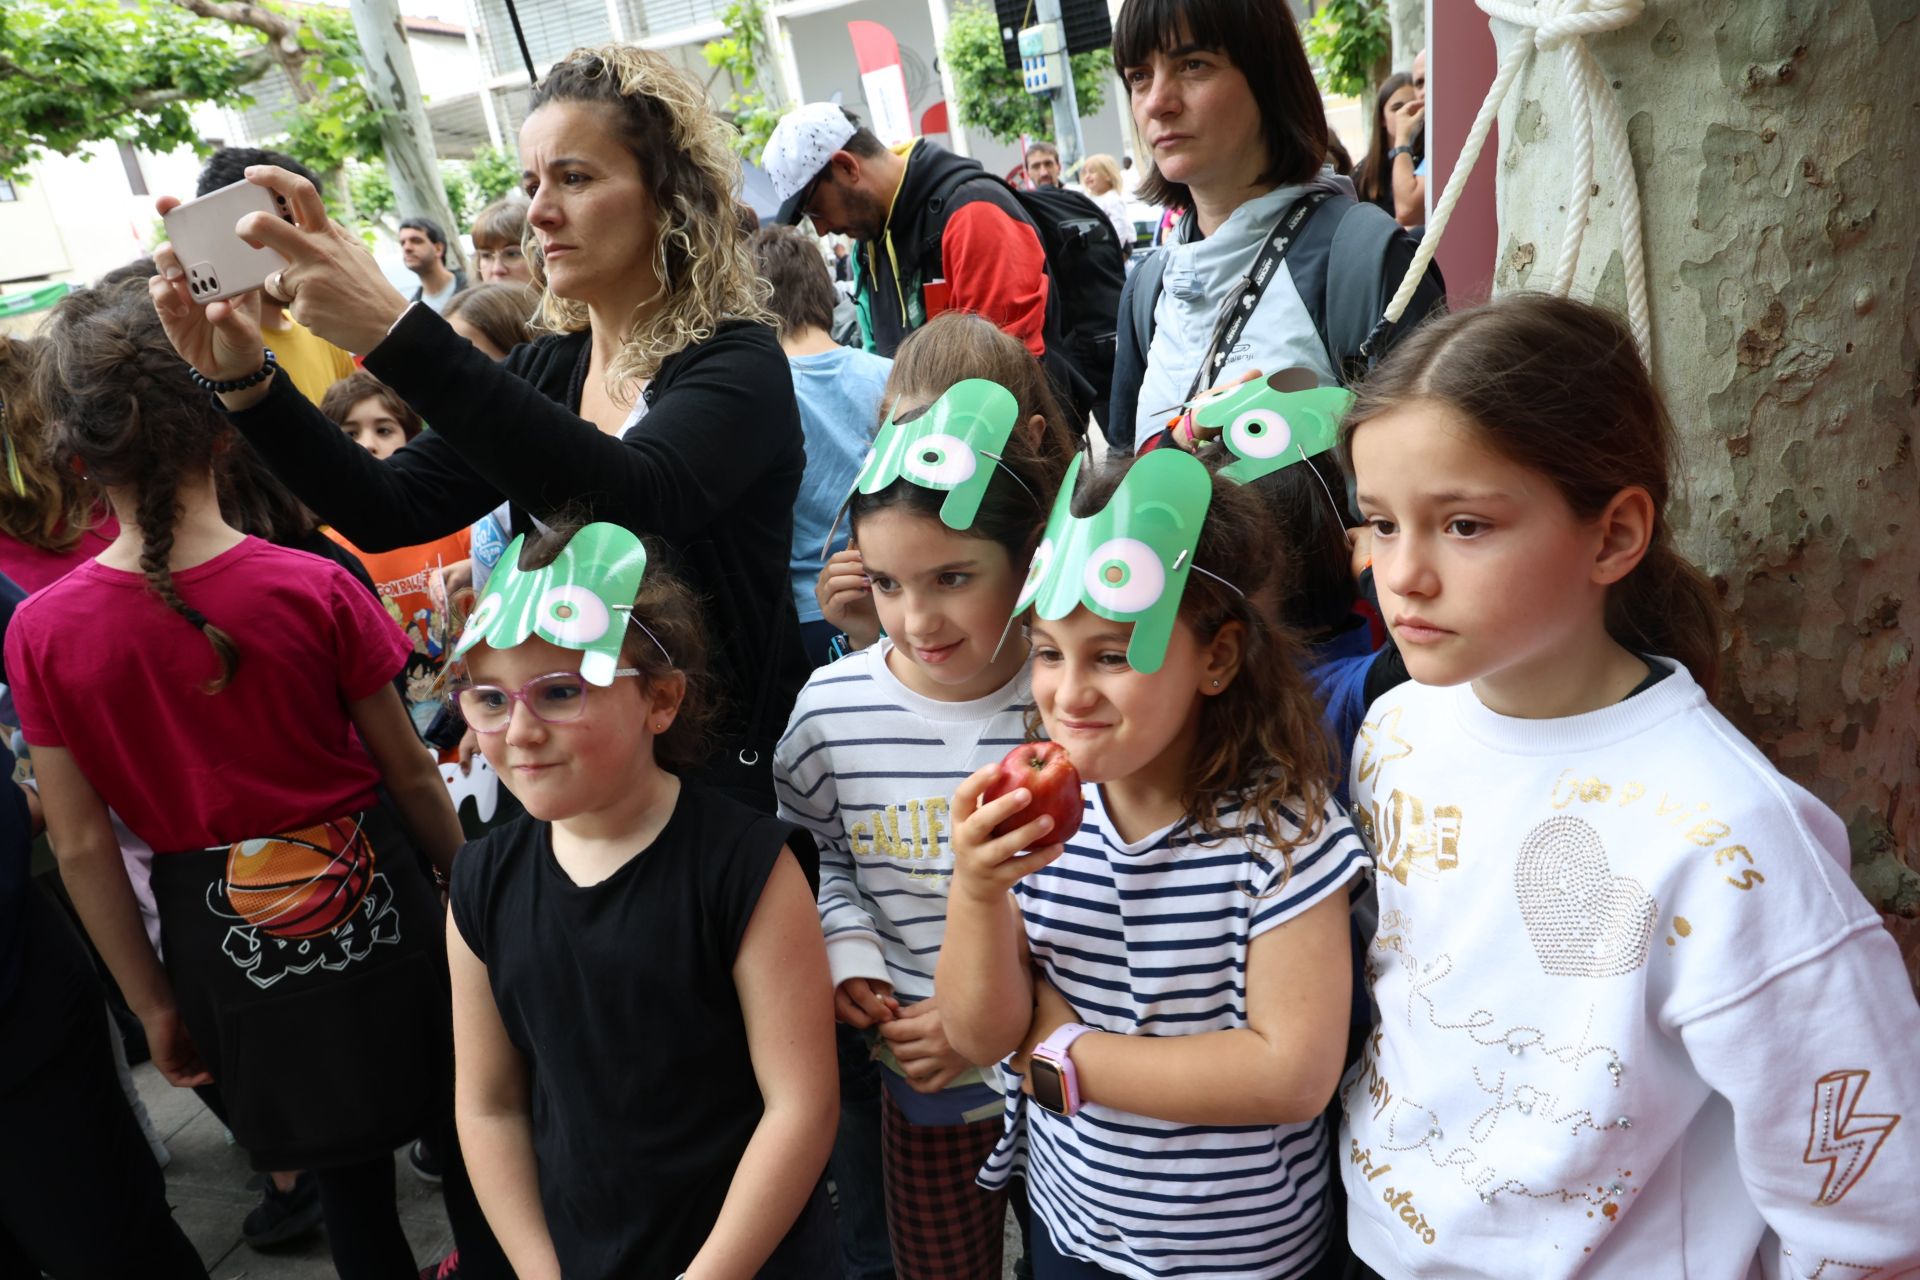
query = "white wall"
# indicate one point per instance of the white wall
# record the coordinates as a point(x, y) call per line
point(445, 66)
point(79, 217)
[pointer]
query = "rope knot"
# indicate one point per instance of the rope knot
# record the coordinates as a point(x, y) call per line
point(1547, 26)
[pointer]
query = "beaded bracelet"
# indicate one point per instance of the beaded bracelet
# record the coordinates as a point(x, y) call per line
point(266, 370)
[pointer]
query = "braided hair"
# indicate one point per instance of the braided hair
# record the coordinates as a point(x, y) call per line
point(118, 398)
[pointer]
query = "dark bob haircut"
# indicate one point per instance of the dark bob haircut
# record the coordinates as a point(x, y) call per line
point(1261, 40)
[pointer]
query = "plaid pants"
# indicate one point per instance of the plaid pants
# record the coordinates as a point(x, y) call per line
point(944, 1225)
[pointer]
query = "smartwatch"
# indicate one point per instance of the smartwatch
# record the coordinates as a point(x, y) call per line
point(1055, 1086)
point(1398, 151)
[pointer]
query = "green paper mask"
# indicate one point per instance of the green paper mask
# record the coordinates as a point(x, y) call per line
point(1129, 561)
point(1272, 423)
point(953, 446)
point(580, 601)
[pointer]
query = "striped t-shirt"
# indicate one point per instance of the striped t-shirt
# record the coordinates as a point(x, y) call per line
point(1151, 938)
point(869, 766)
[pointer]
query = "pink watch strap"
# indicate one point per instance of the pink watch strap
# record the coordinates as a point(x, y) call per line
point(1054, 1050)
point(1057, 1044)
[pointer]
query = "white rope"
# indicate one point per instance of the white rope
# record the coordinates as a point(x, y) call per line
point(1561, 25)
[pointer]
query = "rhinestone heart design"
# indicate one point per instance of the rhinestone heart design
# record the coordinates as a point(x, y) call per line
point(1583, 921)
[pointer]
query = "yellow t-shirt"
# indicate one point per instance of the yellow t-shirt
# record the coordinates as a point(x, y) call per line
point(313, 363)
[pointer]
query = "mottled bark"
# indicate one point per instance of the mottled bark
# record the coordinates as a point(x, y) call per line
point(1776, 150)
point(1407, 20)
point(412, 166)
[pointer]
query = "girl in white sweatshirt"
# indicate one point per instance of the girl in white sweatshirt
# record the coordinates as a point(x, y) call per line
point(1635, 1020)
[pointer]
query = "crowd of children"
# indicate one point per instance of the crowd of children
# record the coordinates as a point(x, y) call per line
point(1420, 916)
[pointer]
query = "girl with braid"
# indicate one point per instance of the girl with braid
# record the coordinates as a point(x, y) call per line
point(233, 701)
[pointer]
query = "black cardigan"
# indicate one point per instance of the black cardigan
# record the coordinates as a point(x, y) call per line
point(712, 471)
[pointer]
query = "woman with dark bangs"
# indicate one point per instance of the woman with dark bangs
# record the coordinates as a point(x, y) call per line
point(1233, 132)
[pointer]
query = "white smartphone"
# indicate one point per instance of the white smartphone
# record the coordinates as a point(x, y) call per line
point(218, 263)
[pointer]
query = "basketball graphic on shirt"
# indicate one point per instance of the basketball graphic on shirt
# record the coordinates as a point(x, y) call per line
point(301, 884)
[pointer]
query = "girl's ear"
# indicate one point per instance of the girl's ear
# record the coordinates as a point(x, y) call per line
point(1626, 532)
point(1037, 431)
point(664, 697)
point(1221, 658)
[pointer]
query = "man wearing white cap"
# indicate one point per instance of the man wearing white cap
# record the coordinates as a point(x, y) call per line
point(937, 232)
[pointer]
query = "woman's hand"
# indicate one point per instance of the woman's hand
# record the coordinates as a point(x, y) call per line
point(1187, 431)
point(918, 1039)
point(222, 339)
point(864, 1002)
point(331, 283)
point(985, 866)
point(1360, 550)
point(1407, 122)
point(846, 598)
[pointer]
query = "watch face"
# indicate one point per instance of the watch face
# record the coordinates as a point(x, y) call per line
point(1048, 1088)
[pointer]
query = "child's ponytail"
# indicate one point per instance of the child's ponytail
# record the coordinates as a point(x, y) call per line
point(1667, 606)
point(119, 400)
point(1559, 387)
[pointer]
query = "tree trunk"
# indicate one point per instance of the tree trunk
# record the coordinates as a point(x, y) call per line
point(1774, 148)
point(411, 164)
point(1407, 19)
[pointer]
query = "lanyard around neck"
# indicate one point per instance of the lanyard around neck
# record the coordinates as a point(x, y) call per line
point(1238, 308)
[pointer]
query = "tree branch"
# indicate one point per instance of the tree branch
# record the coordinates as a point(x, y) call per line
point(256, 63)
point(240, 14)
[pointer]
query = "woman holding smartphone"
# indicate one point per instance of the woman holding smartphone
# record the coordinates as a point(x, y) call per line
point(660, 399)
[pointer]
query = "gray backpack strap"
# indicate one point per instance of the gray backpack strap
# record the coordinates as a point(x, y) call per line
point(1357, 288)
point(1146, 295)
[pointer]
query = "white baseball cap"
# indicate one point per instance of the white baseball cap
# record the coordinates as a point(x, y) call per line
point(798, 151)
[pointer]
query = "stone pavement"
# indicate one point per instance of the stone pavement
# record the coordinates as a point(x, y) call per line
point(207, 1185)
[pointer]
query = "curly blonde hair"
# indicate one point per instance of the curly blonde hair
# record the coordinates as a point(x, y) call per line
point(687, 161)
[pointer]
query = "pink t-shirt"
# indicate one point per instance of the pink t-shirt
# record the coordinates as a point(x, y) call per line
point(32, 568)
point(101, 667)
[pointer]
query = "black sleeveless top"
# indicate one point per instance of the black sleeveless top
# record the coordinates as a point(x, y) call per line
point(620, 997)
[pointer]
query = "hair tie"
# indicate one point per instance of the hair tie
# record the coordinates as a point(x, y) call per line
point(194, 616)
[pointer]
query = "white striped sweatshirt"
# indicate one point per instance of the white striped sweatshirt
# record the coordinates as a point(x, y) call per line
point(868, 766)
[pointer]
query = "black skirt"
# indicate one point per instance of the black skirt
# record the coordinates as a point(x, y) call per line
point(310, 970)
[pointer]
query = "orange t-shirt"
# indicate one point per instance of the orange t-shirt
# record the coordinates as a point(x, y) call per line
point(408, 582)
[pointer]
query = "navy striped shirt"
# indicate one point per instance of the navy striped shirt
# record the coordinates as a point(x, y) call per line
point(1151, 938)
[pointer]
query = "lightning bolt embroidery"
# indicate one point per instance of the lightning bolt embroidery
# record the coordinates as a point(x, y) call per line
point(1843, 1139)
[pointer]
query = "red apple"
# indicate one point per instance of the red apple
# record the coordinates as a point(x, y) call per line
point(1045, 770)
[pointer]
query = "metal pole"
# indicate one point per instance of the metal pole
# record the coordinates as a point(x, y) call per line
point(513, 16)
point(1066, 108)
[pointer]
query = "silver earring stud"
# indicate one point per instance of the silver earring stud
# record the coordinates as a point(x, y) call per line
point(1216, 684)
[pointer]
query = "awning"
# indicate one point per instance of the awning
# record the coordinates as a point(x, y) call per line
point(20, 304)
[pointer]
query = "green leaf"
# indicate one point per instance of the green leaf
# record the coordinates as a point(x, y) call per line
point(991, 96)
point(1349, 43)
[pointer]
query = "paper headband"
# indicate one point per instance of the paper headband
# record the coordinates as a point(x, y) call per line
point(583, 600)
point(952, 447)
point(1129, 561)
point(1271, 423)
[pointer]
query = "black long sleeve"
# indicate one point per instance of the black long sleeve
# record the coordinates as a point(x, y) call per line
point(714, 426)
point(421, 493)
point(712, 470)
